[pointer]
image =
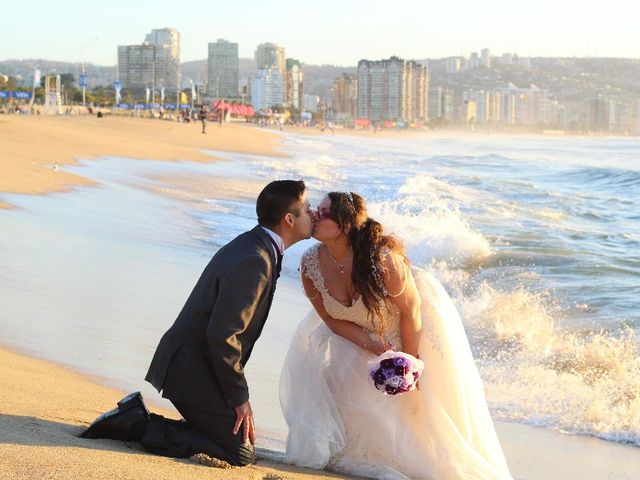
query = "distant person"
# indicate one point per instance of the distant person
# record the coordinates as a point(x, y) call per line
point(203, 118)
point(200, 361)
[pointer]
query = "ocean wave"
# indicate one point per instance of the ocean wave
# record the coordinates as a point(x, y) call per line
point(429, 223)
point(538, 373)
point(608, 179)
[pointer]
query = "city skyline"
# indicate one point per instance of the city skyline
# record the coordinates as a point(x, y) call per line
point(340, 33)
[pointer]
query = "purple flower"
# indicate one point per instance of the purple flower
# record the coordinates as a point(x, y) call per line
point(400, 370)
point(389, 373)
point(395, 372)
point(387, 363)
point(378, 377)
point(400, 362)
point(389, 390)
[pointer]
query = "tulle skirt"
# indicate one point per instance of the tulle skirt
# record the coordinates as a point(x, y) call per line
point(338, 421)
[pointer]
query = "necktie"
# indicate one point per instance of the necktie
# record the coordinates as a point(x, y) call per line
point(278, 256)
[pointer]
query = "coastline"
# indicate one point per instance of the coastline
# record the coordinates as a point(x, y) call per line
point(30, 147)
point(44, 406)
point(35, 431)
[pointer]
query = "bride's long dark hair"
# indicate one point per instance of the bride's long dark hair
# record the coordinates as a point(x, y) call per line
point(367, 239)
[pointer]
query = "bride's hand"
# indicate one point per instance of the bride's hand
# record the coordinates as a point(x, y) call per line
point(376, 348)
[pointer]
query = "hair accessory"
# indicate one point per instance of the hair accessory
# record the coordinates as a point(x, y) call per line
point(376, 274)
point(350, 197)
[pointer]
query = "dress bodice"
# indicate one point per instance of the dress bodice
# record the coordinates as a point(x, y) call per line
point(357, 312)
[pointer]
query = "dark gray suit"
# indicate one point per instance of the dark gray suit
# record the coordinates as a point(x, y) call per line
point(199, 363)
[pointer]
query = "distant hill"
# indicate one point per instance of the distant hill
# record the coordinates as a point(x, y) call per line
point(570, 80)
point(23, 70)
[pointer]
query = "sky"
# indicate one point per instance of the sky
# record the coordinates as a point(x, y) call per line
point(338, 32)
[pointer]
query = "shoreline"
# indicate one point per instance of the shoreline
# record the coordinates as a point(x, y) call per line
point(39, 439)
point(33, 427)
point(32, 148)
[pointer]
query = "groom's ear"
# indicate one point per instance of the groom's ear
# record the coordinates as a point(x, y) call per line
point(289, 219)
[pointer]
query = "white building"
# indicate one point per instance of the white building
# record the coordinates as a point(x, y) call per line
point(453, 64)
point(154, 64)
point(392, 89)
point(270, 56)
point(167, 61)
point(485, 58)
point(267, 89)
point(311, 103)
point(223, 70)
point(294, 84)
point(524, 106)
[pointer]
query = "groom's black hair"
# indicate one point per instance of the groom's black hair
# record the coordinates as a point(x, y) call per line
point(277, 199)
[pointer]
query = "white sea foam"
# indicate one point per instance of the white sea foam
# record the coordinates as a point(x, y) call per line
point(535, 372)
point(426, 218)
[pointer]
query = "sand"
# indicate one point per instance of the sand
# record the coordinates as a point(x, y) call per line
point(43, 409)
point(30, 147)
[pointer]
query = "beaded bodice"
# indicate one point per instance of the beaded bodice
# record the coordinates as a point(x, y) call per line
point(357, 312)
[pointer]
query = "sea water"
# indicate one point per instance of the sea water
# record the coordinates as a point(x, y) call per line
point(536, 239)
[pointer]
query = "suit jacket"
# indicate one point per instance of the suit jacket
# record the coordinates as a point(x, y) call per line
point(200, 360)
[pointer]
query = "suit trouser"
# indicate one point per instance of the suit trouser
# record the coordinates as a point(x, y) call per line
point(199, 432)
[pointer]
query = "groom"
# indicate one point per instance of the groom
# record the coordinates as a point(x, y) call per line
point(199, 363)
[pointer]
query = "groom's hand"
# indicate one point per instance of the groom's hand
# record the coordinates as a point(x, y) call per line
point(244, 417)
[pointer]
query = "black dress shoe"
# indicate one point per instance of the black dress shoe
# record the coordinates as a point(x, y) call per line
point(132, 400)
point(126, 422)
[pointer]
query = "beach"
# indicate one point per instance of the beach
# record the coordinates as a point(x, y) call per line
point(44, 409)
point(30, 147)
point(128, 215)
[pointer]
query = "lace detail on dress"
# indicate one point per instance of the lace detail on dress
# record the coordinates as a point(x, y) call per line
point(357, 312)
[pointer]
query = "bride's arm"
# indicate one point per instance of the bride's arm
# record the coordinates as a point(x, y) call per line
point(404, 295)
point(352, 332)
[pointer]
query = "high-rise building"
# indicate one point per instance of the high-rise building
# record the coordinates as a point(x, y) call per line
point(392, 90)
point(453, 64)
point(267, 89)
point(485, 58)
point(474, 61)
point(167, 63)
point(448, 108)
point(223, 71)
point(417, 92)
point(487, 105)
point(136, 67)
point(435, 103)
point(271, 57)
point(524, 106)
point(154, 64)
point(345, 97)
point(294, 84)
point(506, 59)
point(469, 111)
point(310, 103)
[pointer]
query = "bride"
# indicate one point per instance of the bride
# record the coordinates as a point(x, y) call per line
point(367, 299)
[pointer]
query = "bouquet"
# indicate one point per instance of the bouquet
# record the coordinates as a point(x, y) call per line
point(394, 373)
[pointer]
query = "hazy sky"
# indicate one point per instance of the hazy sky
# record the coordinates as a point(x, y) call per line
point(339, 32)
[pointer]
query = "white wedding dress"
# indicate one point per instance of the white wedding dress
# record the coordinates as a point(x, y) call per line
point(338, 421)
